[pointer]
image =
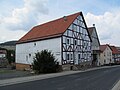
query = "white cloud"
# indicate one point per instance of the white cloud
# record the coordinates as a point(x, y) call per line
point(22, 19)
point(26, 17)
point(108, 26)
point(6, 35)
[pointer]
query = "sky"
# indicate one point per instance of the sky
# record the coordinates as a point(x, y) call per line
point(17, 17)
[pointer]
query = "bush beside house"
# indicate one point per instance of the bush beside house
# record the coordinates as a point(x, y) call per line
point(45, 62)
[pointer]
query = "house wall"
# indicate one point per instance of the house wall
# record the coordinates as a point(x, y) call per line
point(106, 56)
point(25, 52)
point(95, 43)
point(95, 48)
point(76, 44)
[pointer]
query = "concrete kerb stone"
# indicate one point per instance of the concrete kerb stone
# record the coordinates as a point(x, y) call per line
point(44, 76)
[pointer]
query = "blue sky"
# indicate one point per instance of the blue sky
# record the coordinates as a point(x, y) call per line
point(17, 17)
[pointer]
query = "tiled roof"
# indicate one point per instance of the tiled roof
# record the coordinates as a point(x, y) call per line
point(50, 29)
point(103, 47)
point(114, 50)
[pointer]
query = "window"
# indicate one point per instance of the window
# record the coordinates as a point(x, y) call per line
point(26, 58)
point(104, 61)
point(67, 56)
point(67, 32)
point(29, 55)
point(74, 27)
point(34, 44)
point(79, 56)
point(75, 42)
point(71, 56)
point(68, 41)
point(104, 53)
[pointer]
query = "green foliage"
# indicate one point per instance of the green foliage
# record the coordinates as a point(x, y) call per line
point(44, 62)
point(11, 56)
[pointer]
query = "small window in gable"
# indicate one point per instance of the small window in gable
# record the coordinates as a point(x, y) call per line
point(34, 44)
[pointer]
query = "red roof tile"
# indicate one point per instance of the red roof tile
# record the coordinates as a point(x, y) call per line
point(114, 50)
point(49, 29)
point(103, 47)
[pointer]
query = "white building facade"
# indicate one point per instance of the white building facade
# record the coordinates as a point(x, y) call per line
point(105, 55)
point(71, 46)
point(76, 43)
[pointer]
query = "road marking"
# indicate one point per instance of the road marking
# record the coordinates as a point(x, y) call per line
point(117, 86)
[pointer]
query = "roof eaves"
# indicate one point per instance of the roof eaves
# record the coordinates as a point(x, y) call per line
point(40, 38)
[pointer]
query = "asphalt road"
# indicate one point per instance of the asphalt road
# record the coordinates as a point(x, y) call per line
point(102, 79)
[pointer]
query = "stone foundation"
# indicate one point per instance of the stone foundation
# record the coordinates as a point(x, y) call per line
point(20, 66)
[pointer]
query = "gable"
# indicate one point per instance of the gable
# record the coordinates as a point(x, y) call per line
point(78, 29)
point(94, 35)
point(105, 47)
point(108, 49)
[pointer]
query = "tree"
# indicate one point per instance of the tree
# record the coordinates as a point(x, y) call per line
point(11, 56)
point(44, 62)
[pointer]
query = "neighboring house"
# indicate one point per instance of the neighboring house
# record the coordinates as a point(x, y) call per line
point(3, 57)
point(67, 38)
point(115, 54)
point(105, 55)
point(95, 46)
point(3, 53)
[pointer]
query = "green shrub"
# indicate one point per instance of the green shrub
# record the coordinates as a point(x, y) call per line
point(44, 62)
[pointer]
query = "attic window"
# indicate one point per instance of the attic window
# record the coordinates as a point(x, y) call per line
point(34, 44)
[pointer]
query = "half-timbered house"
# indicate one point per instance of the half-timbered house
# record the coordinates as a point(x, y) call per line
point(67, 38)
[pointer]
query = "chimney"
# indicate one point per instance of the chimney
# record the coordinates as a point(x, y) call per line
point(93, 25)
point(65, 18)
